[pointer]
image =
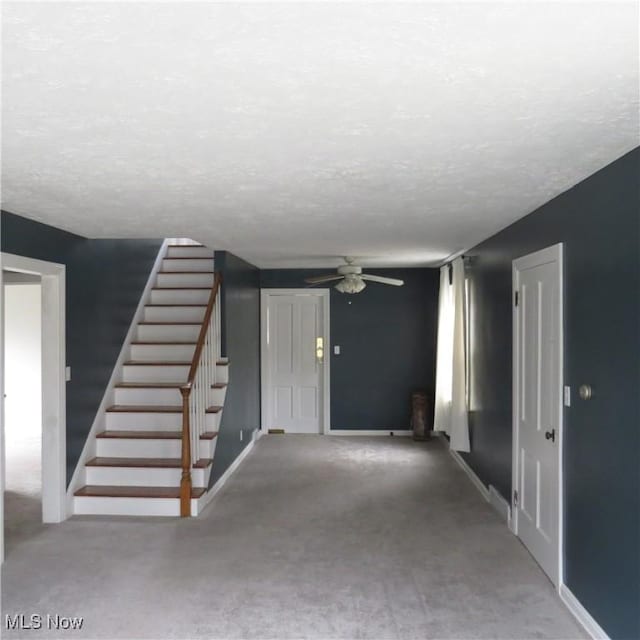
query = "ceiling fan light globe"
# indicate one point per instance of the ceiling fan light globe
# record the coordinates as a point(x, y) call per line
point(351, 284)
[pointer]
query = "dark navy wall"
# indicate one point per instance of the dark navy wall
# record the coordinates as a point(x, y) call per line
point(598, 221)
point(106, 279)
point(387, 339)
point(104, 282)
point(24, 237)
point(240, 311)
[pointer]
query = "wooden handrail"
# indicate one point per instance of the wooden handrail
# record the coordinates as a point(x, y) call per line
point(185, 390)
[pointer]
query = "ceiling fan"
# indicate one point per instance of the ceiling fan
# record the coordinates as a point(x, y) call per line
point(351, 278)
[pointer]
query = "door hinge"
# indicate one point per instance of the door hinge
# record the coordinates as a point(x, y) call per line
point(515, 497)
point(516, 298)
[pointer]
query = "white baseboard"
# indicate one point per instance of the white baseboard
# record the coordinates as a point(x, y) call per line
point(88, 451)
point(403, 433)
point(492, 496)
point(206, 499)
point(581, 614)
point(480, 486)
point(500, 504)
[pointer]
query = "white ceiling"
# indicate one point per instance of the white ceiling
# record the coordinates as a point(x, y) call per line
point(292, 134)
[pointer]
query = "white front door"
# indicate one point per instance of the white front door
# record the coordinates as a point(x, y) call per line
point(294, 342)
point(538, 405)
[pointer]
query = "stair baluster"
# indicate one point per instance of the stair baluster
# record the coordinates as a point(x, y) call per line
point(196, 393)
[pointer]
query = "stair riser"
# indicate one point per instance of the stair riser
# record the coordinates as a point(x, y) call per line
point(142, 477)
point(130, 506)
point(168, 333)
point(207, 449)
point(150, 373)
point(184, 280)
point(222, 374)
point(148, 396)
point(160, 396)
point(196, 264)
point(145, 421)
point(189, 252)
point(155, 352)
point(174, 314)
point(144, 448)
point(218, 396)
point(122, 420)
point(176, 296)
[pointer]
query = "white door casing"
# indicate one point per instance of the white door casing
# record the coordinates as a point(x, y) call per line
point(295, 380)
point(537, 406)
point(53, 386)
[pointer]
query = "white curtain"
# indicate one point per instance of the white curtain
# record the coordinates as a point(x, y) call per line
point(451, 376)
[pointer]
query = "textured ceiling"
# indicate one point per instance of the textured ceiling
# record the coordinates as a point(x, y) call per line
point(292, 134)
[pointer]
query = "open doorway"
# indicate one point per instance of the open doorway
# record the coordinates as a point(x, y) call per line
point(52, 405)
point(22, 406)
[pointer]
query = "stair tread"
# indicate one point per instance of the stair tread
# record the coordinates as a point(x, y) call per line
point(150, 385)
point(152, 463)
point(189, 246)
point(182, 363)
point(153, 408)
point(171, 324)
point(174, 305)
point(181, 288)
point(144, 408)
point(219, 385)
point(104, 491)
point(150, 435)
point(158, 363)
point(140, 435)
point(170, 342)
point(188, 257)
point(210, 273)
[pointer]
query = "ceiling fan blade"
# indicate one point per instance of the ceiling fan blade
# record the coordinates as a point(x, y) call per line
point(383, 280)
point(320, 279)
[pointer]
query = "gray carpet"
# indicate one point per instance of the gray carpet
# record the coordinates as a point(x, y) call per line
point(313, 537)
point(23, 488)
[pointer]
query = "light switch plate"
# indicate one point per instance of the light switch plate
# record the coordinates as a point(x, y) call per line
point(67, 373)
point(567, 395)
point(336, 349)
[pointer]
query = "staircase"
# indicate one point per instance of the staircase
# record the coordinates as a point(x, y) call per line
point(166, 404)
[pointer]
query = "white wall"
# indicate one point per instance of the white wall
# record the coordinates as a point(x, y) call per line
point(23, 375)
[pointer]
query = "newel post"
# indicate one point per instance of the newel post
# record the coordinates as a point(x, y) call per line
point(185, 480)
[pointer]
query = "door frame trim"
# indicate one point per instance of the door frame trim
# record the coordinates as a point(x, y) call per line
point(265, 378)
point(54, 419)
point(554, 253)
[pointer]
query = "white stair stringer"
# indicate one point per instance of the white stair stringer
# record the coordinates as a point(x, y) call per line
point(132, 466)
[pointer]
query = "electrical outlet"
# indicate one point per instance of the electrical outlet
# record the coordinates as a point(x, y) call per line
point(240, 435)
point(567, 396)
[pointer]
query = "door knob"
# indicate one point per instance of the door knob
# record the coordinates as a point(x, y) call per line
point(585, 391)
point(550, 435)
